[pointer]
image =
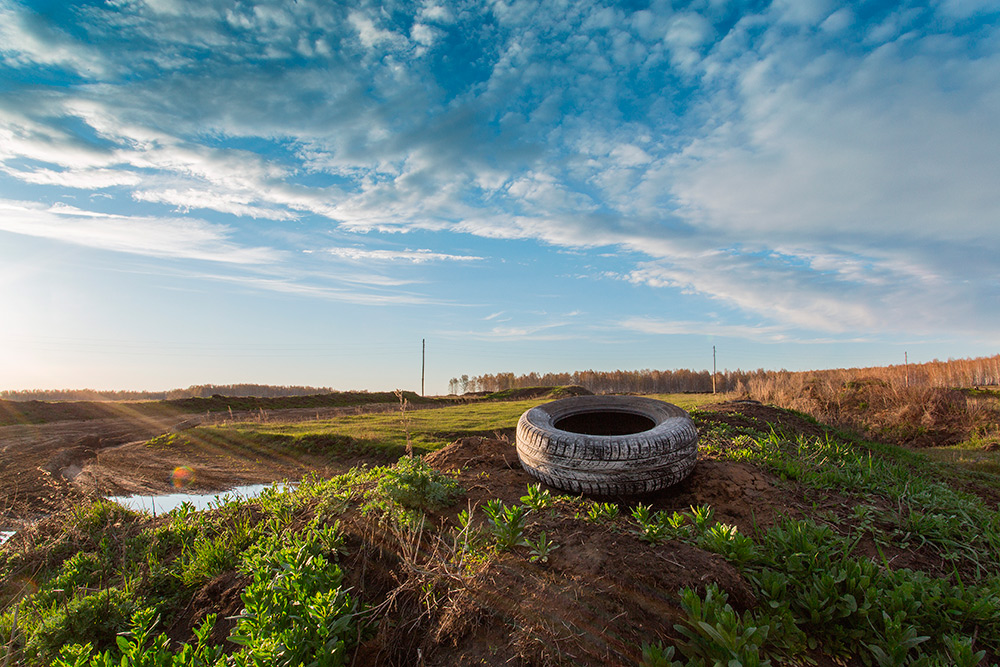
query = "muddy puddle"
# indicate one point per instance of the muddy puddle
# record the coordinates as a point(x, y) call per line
point(170, 501)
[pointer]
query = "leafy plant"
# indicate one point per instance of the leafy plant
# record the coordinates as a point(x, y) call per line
point(960, 653)
point(540, 548)
point(658, 526)
point(900, 642)
point(651, 528)
point(79, 570)
point(602, 512)
point(210, 556)
point(96, 618)
point(726, 540)
point(139, 648)
point(716, 634)
point(507, 522)
point(654, 655)
point(536, 499)
point(295, 610)
point(416, 485)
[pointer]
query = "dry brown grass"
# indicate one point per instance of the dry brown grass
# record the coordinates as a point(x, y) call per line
point(884, 408)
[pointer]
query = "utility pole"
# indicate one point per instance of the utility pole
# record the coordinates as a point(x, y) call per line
point(423, 363)
point(713, 369)
point(906, 362)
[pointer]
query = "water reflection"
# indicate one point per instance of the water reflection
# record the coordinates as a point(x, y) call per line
point(165, 503)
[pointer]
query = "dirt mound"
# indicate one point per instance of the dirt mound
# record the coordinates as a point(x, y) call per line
point(475, 454)
point(599, 597)
point(740, 493)
point(601, 593)
point(526, 393)
point(752, 414)
point(36, 412)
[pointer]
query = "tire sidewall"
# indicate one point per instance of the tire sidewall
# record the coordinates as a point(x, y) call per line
point(627, 464)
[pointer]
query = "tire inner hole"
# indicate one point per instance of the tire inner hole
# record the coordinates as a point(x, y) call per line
point(605, 422)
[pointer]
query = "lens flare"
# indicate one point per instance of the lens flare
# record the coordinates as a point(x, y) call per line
point(182, 476)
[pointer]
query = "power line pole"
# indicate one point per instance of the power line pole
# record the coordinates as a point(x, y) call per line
point(423, 363)
point(713, 369)
point(906, 362)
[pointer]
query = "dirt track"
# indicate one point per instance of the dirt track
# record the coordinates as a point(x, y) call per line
point(44, 467)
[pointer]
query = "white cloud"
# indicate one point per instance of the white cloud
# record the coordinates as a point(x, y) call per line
point(371, 35)
point(774, 292)
point(663, 327)
point(28, 38)
point(685, 34)
point(838, 21)
point(628, 155)
point(436, 13)
point(801, 12)
point(79, 179)
point(155, 237)
point(536, 332)
point(424, 34)
point(231, 203)
point(312, 291)
point(413, 256)
point(963, 9)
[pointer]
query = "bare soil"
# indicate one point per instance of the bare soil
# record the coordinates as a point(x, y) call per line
point(601, 594)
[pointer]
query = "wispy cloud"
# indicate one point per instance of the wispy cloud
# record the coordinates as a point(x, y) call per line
point(663, 327)
point(326, 293)
point(156, 237)
point(538, 327)
point(28, 39)
point(413, 256)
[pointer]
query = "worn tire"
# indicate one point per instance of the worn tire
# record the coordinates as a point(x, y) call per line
point(607, 465)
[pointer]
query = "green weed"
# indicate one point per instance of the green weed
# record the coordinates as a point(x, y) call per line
point(295, 610)
point(540, 548)
point(601, 512)
point(415, 485)
point(507, 523)
point(715, 634)
point(96, 618)
point(655, 655)
point(536, 499)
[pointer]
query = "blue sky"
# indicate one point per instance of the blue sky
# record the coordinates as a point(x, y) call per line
point(219, 191)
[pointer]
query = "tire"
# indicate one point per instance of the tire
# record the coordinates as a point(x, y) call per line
point(656, 447)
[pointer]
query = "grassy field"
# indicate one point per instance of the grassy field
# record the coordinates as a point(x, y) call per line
point(42, 412)
point(428, 429)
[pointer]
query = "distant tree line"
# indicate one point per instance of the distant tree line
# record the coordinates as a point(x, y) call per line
point(607, 382)
point(194, 391)
point(980, 371)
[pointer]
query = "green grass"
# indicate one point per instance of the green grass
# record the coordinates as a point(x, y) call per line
point(429, 429)
point(41, 412)
point(968, 455)
point(690, 401)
